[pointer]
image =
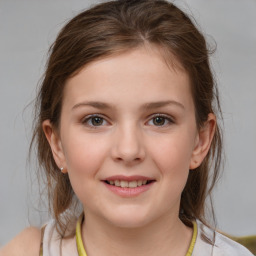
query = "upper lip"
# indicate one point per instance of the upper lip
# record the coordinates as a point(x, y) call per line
point(128, 178)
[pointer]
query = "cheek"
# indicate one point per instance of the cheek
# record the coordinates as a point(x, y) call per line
point(173, 154)
point(84, 154)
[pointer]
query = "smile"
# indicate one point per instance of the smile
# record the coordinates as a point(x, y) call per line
point(128, 184)
point(131, 186)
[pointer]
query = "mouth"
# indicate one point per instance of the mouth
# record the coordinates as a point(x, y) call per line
point(128, 184)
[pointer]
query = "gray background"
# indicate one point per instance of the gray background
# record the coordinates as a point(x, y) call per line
point(27, 28)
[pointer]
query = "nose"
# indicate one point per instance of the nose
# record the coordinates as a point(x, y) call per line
point(128, 146)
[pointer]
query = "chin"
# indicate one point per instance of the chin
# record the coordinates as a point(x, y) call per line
point(129, 219)
point(129, 224)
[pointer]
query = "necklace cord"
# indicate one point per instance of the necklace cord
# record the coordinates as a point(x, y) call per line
point(79, 242)
point(80, 246)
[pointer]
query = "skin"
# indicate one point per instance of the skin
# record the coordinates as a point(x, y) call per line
point(27, 243)
point(128, 141)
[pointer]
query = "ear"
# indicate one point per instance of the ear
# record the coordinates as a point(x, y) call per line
point(55, 143)
point(203, 141)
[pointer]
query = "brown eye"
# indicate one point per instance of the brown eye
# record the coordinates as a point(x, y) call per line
point(94, 121)
point(97, 121)
point(159, 121)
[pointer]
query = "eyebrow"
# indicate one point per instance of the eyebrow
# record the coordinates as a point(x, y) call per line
point(160, 104)
point(147, 106)
point(95, 104)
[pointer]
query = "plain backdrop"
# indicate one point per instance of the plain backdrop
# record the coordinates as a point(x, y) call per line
point(28, 27)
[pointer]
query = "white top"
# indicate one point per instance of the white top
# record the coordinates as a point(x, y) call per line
point(223, 246)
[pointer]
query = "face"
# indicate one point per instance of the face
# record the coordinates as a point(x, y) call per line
point(128, 137)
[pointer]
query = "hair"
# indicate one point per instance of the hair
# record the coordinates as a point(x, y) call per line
point(111, 28)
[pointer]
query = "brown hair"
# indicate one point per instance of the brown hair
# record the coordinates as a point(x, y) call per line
point(110, 28)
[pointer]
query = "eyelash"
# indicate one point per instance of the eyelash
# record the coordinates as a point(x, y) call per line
point(89, 118)
point(166, 118)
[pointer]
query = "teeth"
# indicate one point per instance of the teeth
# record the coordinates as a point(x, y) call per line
point(126, 184)
point(139, 183)
point(133, 184)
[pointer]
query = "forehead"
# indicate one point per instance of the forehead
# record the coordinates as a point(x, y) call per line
point(151, 51)
point(140, 73)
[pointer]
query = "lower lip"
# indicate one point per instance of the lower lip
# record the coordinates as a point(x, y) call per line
point(128, 192)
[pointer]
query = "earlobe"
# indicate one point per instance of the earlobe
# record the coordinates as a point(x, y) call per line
point(54, 141)
point(203, 142)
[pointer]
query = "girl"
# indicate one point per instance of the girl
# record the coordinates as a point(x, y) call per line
point(126, 133)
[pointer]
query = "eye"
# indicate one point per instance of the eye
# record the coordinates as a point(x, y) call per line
point(94, 121)
point(160, 120)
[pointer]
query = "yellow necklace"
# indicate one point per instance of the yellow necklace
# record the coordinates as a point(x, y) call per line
point(79, 241)
point(193, 240)
point(82, 252)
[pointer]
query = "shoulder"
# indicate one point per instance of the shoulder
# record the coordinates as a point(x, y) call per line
point(26, 243)
point(210, 242)
point(226, 246)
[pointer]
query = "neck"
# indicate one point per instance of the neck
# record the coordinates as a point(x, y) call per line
point(165, 236)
